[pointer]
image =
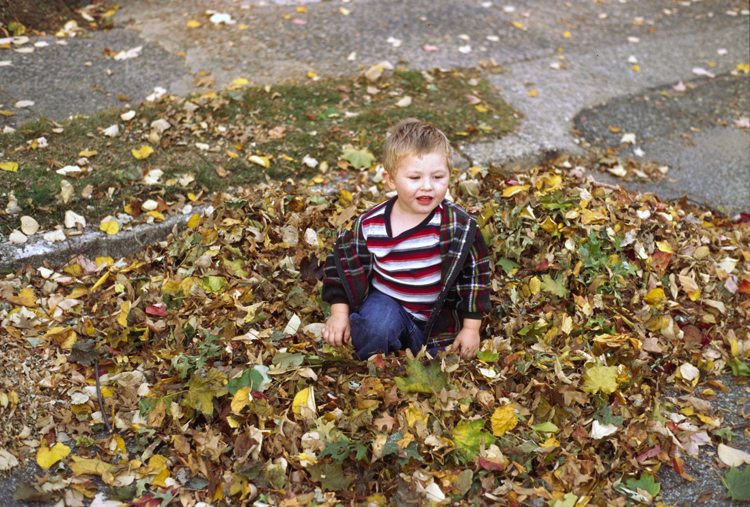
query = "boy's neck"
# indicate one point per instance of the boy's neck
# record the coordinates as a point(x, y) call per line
point(401, 221)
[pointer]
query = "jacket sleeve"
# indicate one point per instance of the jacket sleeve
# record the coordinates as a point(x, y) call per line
point(333, 289)
point(473, 283)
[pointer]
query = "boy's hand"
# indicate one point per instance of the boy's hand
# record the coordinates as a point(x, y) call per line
point(337, 329)
point(467, 340)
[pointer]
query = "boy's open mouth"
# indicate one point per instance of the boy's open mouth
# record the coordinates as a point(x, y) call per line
point(424, 200)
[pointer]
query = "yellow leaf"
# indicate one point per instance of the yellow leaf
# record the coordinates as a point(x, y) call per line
point(242, 27)
point(614, 129)
point(194, 221)
point(86, 466)
point(27, 297)
point(262, 161)
point(232, 154)
point(706, 419)
point(301, 9)
point(109, 13)
point(600, 379)
point(636, 68)
point(108, 261)
point(156, 215)
point(533, 93)
point(193, 23)
point(100, 281)
point(232, 422)
point(567, 35)
point(311, 74)
point(503, 420)
point(9, 166)
point(241, 81)
point(414, 414)
point(518, 25)
point(664, 247)
point(142, 153)
point(192, 197)
point(110, 228)
point(655, 297)
point(304, 403)
point(535, 285)
point(46, 457)
point(549, 225)
point(744, 67)
point(88, 153)
point(481, 109)
point(241, 399)
point(122, 319)
point(511, 191)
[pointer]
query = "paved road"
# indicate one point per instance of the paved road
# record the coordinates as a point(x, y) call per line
point(584, 83)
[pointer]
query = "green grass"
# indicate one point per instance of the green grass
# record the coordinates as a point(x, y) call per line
point(236, 124)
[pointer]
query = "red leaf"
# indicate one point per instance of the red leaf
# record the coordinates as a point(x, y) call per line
point(491, 465)
point(157, 309)
point(660, 260)
point(649, 454)
point(679, 467)
point(744, 287)
point(378, 361)
point(542, 265)
point(146, 501)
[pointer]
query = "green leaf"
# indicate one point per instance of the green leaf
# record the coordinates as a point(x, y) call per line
point(605, 416)
point(214, 284)
point(288, 360)
point(391, 445)
point(236, 267)
point(557, 287)
point(507, 265)
point(333, 479)
point(422, 379)
point(487, 356)
point(737, 483)
point(739, 368)
point(546, 427)
point(358, 158)
point(410, 452)
point(337, 451)
point(204, 386)
point(645, 482)
point(468, 437)
point(256, 378)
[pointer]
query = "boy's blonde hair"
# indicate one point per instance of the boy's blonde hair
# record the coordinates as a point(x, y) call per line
point(416, 138)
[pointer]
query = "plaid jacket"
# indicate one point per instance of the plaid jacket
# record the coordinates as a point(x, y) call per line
point(465, 277)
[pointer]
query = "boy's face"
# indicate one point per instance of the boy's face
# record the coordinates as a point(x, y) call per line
point(420, 182)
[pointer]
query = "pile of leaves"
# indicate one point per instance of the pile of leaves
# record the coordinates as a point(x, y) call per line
point(37, 17)
point(122, 165)
point(203, 354)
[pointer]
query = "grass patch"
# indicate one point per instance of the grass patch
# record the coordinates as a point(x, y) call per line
point(214, 140)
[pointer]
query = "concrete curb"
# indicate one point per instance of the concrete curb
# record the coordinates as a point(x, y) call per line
point(92, 243)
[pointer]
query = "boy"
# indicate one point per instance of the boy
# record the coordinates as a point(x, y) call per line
point(414, 270)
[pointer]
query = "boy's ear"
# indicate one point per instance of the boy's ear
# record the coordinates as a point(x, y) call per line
point(389, 181)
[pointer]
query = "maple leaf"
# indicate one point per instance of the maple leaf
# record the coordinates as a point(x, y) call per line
point(46, 456)
point(204, 386)
point(422, 379)
point(737, 483)
point(358, 158)
point(386, 421)
point(600, 379)
point(469, 437)
point(557, 287)
point(503, 420)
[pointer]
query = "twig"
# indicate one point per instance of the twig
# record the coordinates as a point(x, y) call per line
point(99, 396)
point(741, 426)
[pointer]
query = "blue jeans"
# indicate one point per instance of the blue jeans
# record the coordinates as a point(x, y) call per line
point(382, 326)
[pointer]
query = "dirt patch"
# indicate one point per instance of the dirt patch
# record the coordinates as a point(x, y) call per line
point(40, 15)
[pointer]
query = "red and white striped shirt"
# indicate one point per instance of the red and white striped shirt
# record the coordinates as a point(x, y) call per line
point(407, 267)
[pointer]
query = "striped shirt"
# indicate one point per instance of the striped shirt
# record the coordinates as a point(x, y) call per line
point(407, 267)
